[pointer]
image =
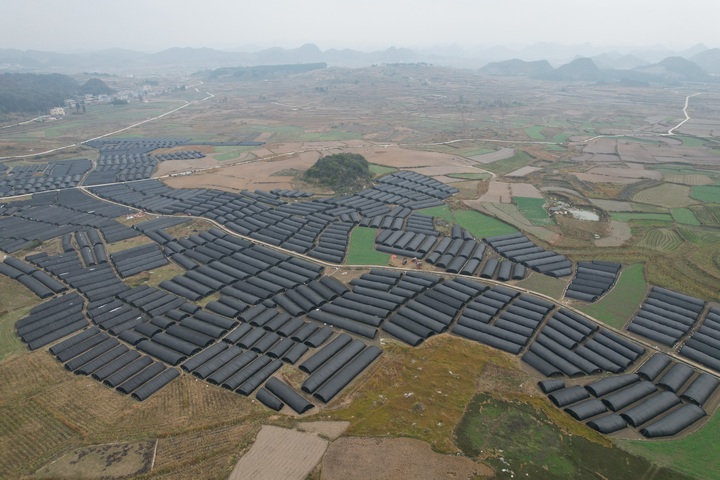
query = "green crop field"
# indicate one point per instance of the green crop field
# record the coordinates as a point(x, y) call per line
point(688, 454)
point(442, 211)
point(501, 167)
point(661, 239)
point(381, 169)
point(630, 216)
point(685, 216)
point(615, 307)
point(706, 193)
point(480, 225)
point(561, 137)
point(362, 249)
point(330, 135)
point(470, 176)
point(535, 132)
point(691, 141)
point(533, 210)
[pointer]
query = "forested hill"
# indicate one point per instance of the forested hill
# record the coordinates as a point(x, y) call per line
point(35, 93)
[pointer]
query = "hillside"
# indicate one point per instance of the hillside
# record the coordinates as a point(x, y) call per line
point(33, 93)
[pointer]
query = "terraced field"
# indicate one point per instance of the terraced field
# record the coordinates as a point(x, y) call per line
point(661, 239)
point(707, 214)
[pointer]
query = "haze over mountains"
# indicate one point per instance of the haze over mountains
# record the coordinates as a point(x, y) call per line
point(542, 60)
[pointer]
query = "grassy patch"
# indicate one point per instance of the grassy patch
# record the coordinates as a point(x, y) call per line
point(684, 216)
point(381, 169)
point(706, 193)
point(533, 209)
point(520, 441)
point(362, 249)
point(501, 167)
point(631, 216)
point(537, 282)
point(695, 454)
point(535, 132)
point(15, 302)
point(617, 306)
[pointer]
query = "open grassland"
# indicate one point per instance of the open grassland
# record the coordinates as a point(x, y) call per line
point(668, 195)
point(45, 410)
point(362, 248)
point(684, 216)
point(690, 455)
point(706, 193)
point(661, 239)
point(501, 167)
point(615, 307)
point(520, 441)
point(533, 209)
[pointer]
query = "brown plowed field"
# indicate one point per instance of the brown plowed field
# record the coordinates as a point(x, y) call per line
point(395, 459)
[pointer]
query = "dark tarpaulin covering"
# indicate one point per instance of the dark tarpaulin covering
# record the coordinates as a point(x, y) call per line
point(268, 399)
point(155, 384)
point(674, 422)
point(340, 380)
point(549, 386)
point(285, 393)
point(569, 395)
point(608, 424)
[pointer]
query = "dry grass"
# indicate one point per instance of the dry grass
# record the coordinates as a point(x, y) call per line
point(419, 392)
point(46, 410)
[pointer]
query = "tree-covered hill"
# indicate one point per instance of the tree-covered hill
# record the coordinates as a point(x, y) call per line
point(341, 172)
point(95, 86)
point(33, 93)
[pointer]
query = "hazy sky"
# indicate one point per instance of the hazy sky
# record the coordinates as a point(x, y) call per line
point(154, 25)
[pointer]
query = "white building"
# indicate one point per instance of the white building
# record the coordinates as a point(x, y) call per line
point(57, 112)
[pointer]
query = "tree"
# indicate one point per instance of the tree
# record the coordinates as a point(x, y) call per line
point(341, 171)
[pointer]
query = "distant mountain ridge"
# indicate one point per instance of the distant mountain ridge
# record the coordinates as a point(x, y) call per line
point(537, 61)
point(669, 70)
